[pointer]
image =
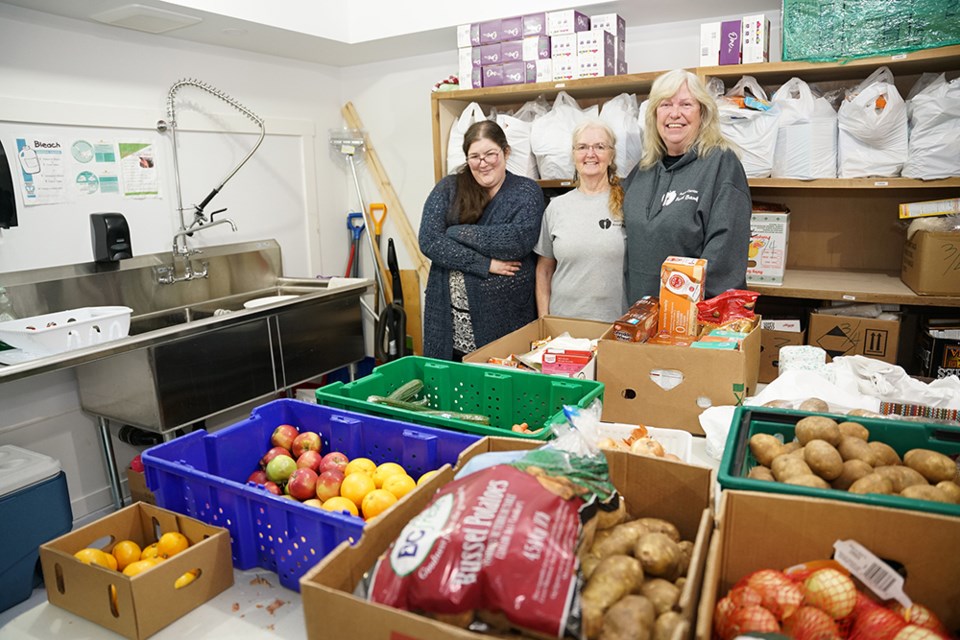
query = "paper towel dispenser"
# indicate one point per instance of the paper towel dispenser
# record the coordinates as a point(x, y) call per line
point(8, 199)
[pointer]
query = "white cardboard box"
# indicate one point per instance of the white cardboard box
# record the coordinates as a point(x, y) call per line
point(767, 257)
point(709, 44)
point(755, 39)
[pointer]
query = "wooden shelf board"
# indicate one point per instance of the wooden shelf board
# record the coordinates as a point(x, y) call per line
point(851, 286)
point(852, 183)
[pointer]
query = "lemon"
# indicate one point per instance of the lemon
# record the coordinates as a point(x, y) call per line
point(96, 556)
point(138, 567)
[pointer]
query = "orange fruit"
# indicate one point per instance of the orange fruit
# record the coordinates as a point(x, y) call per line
point(426, 476)
point(149, 551)
point(376, 502)
point(138, 567)
point(356, 486)
point(171, 543)
point(384, 471)
point(96, 556)
point(186, 579)
point(399, 485)
point(366, 465)
point(126, 551)
point(339, 503)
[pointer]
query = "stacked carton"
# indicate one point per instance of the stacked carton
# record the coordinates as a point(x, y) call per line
point(742, 41)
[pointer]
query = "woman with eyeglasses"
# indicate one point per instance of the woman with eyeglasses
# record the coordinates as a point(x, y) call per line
point(581, 246)
point(478, 229)
point(689, 195)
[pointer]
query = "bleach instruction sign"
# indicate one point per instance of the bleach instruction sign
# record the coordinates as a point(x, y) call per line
point(40, 160)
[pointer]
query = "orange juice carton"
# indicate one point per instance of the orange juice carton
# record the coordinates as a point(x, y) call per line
point(682, 282)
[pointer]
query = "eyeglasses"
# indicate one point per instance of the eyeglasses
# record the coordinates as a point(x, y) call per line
point(596, 148)
point(490, 157)
point(684, 107)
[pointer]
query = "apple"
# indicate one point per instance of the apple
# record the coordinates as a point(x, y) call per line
point(280, 468)
point(273, 488)
point(310, 460)
point(302, 484)
point(283, 436)
point(271, 454)
point(306, 441)
point(313, 502)
point(258, 477)
point(334, 460)
point(328, 484)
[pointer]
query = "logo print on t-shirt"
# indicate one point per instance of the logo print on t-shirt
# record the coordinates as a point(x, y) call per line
point(606, 223)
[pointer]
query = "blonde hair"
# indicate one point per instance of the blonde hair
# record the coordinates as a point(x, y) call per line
point(616, 190)
point(708, 139)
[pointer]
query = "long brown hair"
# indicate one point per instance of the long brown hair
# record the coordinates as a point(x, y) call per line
point(471, 197)
point(616, 190)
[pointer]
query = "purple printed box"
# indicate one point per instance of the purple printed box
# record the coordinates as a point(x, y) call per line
point(468, 35)
point(534, 24)
point(475, 56)
point(530, 70)
point(621, 47)
point(536, 48)
point(490, 54)
point(511, 29)
point(567, 21)
point(511, 51)
point(514, 73)
point(612, 22)
point(490, 32)
point(730, 42)
point(493, 75)
point(622, 68)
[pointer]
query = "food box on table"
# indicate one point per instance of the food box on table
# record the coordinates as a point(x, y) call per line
point(204, 475)
point(505, 396)
point(86, 589)
point(651, 487)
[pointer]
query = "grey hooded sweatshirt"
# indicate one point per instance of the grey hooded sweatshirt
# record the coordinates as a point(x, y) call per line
point(698, 208)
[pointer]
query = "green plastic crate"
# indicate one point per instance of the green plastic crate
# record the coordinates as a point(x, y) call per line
point(507, 396)
point(902, 435)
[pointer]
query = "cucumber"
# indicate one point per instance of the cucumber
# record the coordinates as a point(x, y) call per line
point(422, 408)
point(408, 391)
point(398, 404)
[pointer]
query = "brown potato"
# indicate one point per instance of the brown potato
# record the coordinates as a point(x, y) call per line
point(854, 429)
point(667, 625)
point(792, 447)
point(823, 459)
point(615, 577)
point(814, 404)
point(686, 554)
point(950, 489)
point(901, 477)
point(657, 525)
point(864, 413)
point(852, 471)
point(925, 492)
point(851, 448)
point(609, 519)
point(760, 472)
point(818, 428)
point(631, 617)
point(934, 466)
point(885, 454)
point(872, 483)
point(658, 554)
point(765, 447)
point(786, 467)
point(808, 480)
point(664, 595)
point(778, 404)
point(681, 582)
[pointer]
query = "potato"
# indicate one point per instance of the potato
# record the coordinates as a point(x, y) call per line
point(681, 582)
point(808, 480)
point(667, 625)
point(854, 429)
point(864, 413)
point(823, 459)
point(925, 492)
point(814, 404)
point(657, 525)
point(788, 466)
point(658, 554)
point(615, 577)
point(632, 617)
point(818, 428)
point(765, 448)
point(686, 554)
point(934, 466)
point(852, 471)
point(856, 449)
point(664, 595)
point(885, 454)
point(761, 472)
point(872, 483)
point(901, 477)
point(609, 519)
point(620, 540)
point(792, 447)
point(950, 489)
point(778, 404)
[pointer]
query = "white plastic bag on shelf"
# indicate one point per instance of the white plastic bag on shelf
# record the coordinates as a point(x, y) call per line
point(552, 137)
point(620, 114)
point(754, 131)
point(517, 127)
point(806, 146)
point(455, 156)
point(873, 129)
point(933, 115)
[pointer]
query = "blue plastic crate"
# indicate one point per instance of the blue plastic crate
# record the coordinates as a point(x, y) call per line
point(204, 475)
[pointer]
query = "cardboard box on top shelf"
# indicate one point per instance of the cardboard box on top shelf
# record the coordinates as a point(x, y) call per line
point(730, 41)
point(755, 39)
point(85, 589)
point(931, 263)
point(938, 348)
point(848, 335)
point(709, 44)
point(771, 340)
point(767, 531)
point(651, 487)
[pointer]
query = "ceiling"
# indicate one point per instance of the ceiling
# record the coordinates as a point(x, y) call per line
point(215, 28)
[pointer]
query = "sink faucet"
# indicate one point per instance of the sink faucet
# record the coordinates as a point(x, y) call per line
point(167, 274)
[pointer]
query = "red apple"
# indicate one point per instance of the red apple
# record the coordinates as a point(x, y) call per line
point(271, 454)
point(328, 484)
point(302, 484)
point(273, 488)
point(310, 460)
point(259, 477)
point(334, 460)
point(280, 468)
point(306, 441)
point(283, 436)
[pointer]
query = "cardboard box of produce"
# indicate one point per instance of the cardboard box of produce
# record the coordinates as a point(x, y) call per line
point(848, 335)
point(85, 590)
point(931, 263)
point(770, 342)
point(674, 491)
point(670, 386)
point(519, 341)
point(765, 531)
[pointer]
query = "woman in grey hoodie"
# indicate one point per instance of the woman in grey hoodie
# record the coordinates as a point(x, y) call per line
point(689, 195)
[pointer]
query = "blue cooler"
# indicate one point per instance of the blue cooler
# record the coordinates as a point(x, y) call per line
point(34, 509)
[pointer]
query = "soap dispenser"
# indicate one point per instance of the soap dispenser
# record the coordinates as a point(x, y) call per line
point(111, 237)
